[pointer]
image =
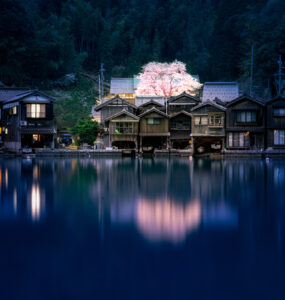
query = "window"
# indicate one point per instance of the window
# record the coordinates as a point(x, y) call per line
point(13, 110)
point(279, 137)
point(215, 120)
point(246, 116)
point(238, 139)
point(201, 120)
point(123, 127)
point(153, 121)
point(36, 110)
point(279, 112)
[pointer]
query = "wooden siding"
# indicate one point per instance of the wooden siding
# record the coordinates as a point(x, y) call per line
point(245, 105)
point(111, 110)
point(154, 129)
point(274, 122)
point(207, 129)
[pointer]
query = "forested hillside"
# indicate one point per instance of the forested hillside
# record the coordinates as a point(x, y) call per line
point(42, 39)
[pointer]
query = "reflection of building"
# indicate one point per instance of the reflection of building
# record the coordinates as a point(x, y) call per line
point(26, 186)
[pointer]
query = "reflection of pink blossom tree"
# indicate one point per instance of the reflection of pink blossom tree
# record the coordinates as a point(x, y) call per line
point(165, 80)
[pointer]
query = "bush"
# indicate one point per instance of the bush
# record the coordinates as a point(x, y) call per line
point(86, 130)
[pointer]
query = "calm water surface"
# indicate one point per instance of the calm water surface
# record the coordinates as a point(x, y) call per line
point(142, 229)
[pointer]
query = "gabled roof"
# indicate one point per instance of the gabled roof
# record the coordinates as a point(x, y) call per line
point(7, 93)
point(184, 94)
point(122, 86)
point(123, 112)
point(245, 97)
point(151, 102)
point(277, 98)
point(154, 110)
point(182, 112)
point(28, 93)
point(209, 103)
point(113, 100)
point(225, 91)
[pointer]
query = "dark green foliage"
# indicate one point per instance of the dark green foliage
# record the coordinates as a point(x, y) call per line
point(42, 39)
point(86, 130)
point(75, 105)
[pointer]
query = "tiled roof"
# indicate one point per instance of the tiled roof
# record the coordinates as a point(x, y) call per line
point(38, 130)
point(211, 103)
point(10, 93)
point(13, 94)
point(122, 86)
point(225, 91)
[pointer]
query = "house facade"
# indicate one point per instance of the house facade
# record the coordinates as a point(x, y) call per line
point(154, 130)
point(208, 127)
point(275, 123)
point(245, 125)
point(123, 129)
point(27, 119)
point(180, 126)
point(182, 102)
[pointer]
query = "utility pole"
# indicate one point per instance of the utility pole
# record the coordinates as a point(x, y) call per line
point(279, 75)
point(99, 88)
point(101, 76)
point(251, 73)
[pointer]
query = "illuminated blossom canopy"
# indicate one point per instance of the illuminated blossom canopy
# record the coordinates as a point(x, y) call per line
point(165, 80)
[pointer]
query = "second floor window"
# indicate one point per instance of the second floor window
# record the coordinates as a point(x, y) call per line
point(246, 116)
point(36, 110)
point(279, 112)
point(124, 127)
point(215, 120)
point(153, 121)
point(201, 120)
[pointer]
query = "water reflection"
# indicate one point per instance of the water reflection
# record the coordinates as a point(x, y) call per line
point(166, 220)
point(165, 199)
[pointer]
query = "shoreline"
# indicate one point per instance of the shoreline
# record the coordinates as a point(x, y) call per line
point(64, 153)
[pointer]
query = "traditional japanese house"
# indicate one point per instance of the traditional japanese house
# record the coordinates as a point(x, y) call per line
point(180, 130)
point(123, 130)
point(245, 125)
point(123, 87)
point(114, 106)
point(154, 130)
point(181, 102)
point(27, 119)
point(150, 104)
point(224, 91)
point(208, 127)
point(276, 123)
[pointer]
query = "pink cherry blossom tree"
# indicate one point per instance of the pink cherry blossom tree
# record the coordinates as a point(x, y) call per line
point(165, 80)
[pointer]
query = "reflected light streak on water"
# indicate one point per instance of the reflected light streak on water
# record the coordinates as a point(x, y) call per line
point(166, 220)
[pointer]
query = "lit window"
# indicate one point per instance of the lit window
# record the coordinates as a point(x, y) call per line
point(238, 139)
point(36, 110)
point(279, 112)
point(246, 116)
point(279, 137)
point(13, 110)
point(153, 121)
